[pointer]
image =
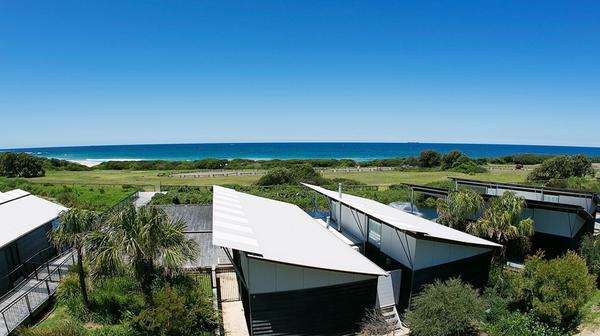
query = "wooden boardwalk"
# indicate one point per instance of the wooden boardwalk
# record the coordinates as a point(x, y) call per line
point(24, 300)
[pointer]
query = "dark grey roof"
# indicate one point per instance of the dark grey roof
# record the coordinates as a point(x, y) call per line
point(198, 220)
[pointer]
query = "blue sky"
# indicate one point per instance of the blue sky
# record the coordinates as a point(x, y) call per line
point(111, 72)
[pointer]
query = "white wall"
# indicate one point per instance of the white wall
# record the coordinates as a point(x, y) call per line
point(398, 245)
point(431, 253)
point(352, 222)
point(584, 202)
point(268, 277)
point(558, 223)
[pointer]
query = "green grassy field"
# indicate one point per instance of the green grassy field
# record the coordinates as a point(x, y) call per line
point(89, 197)
point(153, 178)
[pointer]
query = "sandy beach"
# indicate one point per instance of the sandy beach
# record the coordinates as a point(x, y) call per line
point(88, 163)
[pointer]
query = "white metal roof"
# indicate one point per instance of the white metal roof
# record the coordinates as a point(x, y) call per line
point(21, 213)
point(402, 220)
point(12, 195)
point(281, 232)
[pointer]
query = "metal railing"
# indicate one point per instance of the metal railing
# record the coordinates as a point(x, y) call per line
point(28, 266)
point(37, 289)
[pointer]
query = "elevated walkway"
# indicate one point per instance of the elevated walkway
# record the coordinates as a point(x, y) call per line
point(27, 299)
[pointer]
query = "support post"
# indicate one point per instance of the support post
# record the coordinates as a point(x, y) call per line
point(339, 219)
point(412, 200)
point(5, 323)
point(28, 304)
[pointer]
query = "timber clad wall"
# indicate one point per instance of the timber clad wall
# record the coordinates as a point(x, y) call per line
point(333, 310)
point(474, 270)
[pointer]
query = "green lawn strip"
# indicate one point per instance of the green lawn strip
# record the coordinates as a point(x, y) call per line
point(89, 197)
point(591, 317)
point(152, 178)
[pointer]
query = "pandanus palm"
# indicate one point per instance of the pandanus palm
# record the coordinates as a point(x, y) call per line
point(456, 209)
point(502, 221)
point(146, 240)
point(74, 229)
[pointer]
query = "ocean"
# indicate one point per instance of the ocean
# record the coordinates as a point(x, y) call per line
point(312, 150)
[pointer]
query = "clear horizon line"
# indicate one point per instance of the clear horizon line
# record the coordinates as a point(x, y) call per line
point(301, 142)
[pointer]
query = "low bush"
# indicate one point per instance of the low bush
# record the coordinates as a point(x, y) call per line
point(184, 195)
point(293, 175)
point(468, 167)
point(176, 313)
point(429, 159)
point(518, 324)
point(562, 167)
point(374, 323)
point(20, 165)
point(590, 251)
point(63, 328)
point(115, 298)
point(555, 291)
point(445, 309)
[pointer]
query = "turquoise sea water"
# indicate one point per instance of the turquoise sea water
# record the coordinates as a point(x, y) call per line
point(313, 150)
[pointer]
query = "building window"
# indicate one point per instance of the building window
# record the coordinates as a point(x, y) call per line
point(374, 233)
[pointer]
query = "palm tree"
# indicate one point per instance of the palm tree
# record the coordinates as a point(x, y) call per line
point(501, 222)
point(456, 209)
point(145, 239)
point(74, 228)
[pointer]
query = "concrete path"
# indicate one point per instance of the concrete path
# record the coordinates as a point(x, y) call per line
point(144, 198)
point(17, 305)
point(234, 320)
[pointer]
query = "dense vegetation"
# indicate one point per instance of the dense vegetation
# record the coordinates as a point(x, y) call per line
point(292, 175)
point(562, 167)
point(546, 298)
point(20, 165)
point(26, 165)
point(134, 257)
point(445, 309)
point(97, 198)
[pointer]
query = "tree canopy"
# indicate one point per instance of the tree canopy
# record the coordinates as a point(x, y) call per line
point(20, 165)
point(144, 239)
point(555, 290)
point(458, 208)
point(444, 309)
point(562, 167)
point(502, 222)
point(429, 158)
point(292, 175)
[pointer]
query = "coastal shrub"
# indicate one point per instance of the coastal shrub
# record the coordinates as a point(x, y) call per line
point(562, 167)
point(468, 167)
point(123, 329)
point(111, 299)
point(292, 175)
point(445, 308)
point(176, 313)
point(450, 158)
point(343, 181)
point(590, 251)
point(429, 158)
point(374, 323)
point(114, 298)
point(277, 176)
point(524, 159)
point(57, 164)
point(518, 324)
point(183, 195)
point(555, 291)
point(20, 165)
point(63, 328)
